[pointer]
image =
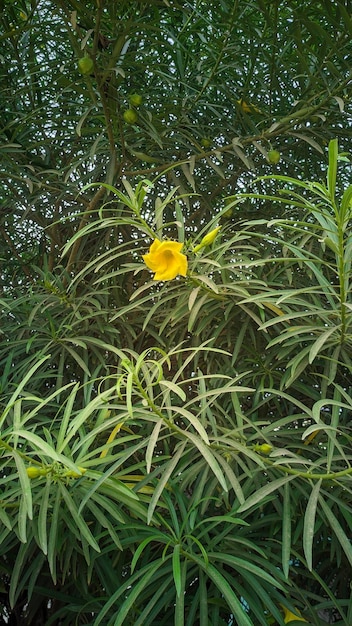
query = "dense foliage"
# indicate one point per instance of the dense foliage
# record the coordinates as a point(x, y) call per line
point(175, 451)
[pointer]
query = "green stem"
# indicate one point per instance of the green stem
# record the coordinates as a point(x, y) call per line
point(341, 272)
point(312, 476)
point(154, 407)
point(200, 284)
point(293, 472)
point(6, 446)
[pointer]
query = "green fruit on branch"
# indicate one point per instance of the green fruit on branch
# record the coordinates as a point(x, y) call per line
point(274, 156)
point(205, 142)
point(228, 214)
point(130, 116)
point(85, 65)
point(135, 99)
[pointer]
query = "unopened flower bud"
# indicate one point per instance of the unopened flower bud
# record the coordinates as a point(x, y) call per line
point(207, 239)
point(34, 472)
point(265, 448)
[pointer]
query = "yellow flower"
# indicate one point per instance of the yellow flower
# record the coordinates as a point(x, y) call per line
point(166, 259)
point(291, 617)
point(207, 239)
point(248, 108)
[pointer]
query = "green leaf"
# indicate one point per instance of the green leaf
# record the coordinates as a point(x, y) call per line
point(105, 523)
point(261, 494)
point(203, 599)
point(41, 446)
point(286, 531)
point(145, 574)
point(53, 544)
point(175, 388)
point(4, 518)
point(78, 520)
point(231, 477)
point(332, 169)
point(221, 583)
point(25, 486)
point(176, 568)
point(43, 516)
point(22, 384)
point(157, 537)
point(23, 554)
point(243, 565)
point(153, 439)
point(197, 425)
point(319, 343)
point(346, 203)
point(337, 529)
point(208, 457)
point(167, 472)
point(309, 524)
point(70, 425)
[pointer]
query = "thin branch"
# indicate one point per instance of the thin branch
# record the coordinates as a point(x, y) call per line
point(75, 248)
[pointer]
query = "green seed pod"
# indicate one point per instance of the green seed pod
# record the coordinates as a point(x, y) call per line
point(130, 116)
point(85, 65)
point(205, 142)
point(274, 156)
point(135, 99)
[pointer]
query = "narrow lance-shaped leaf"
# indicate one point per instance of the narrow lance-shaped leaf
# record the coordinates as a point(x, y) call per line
point(169, 468)
point(221, 583)
point(176, 568)
point(337, 529)
point(309, 524)
point(286, 530)
point(332, 169)
point(264, 492)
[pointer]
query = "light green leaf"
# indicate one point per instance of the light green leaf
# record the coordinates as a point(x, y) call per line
point(332, 169)
point(41, 446)
point(22, 385)
point(259, 496)
point(209, 458)
point(27, 504)
point(286, 531)
point(151, 444)
point(168, 469)
point(43, 521)
point(345, 542)
point(319, 343)
point(221, 583)
point(175, 388)
point(192, 419)
point(79, 521)
point(309, 524)
point(176, 568)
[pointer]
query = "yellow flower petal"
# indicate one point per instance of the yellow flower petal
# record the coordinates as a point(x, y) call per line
point(166, 259)
point(291, 617)
point(248, 108)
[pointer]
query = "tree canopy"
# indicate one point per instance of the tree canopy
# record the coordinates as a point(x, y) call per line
point(176, 314)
